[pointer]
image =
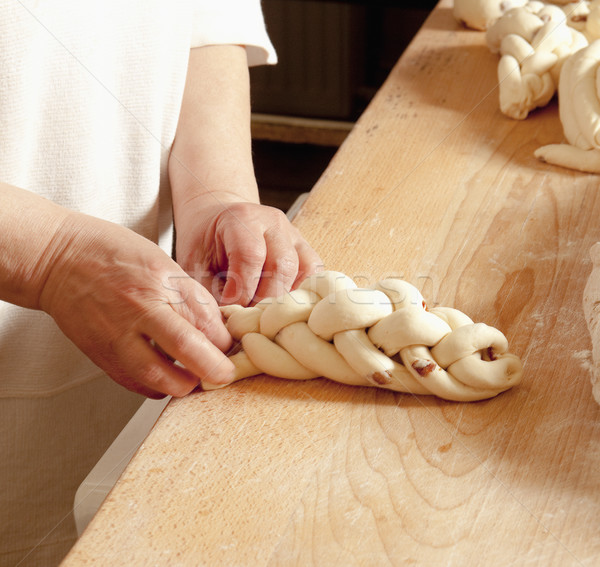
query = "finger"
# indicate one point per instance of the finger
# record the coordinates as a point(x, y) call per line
point(309, 262)
point(145, 370)
point(281, 265)
point(214, 283)
point(201, 309)
point(245, 257)
point(190, 347)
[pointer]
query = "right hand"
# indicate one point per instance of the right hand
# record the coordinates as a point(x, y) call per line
point(132, 310)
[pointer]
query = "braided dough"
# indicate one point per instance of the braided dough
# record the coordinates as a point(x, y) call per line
point(534, 41)
point(384, 337)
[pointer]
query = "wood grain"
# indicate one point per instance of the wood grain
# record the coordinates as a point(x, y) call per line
point(435, 185)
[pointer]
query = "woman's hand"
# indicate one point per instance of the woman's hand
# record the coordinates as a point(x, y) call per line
point(240, 251)
point(132, 310)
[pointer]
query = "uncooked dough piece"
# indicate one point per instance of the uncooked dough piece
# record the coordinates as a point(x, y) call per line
point(577, 14)
point(592, 20)
point(523, 21)
point(583, 16)
point(579, 109)
point(480, 14)
point(534, 41)
point(591, 309)
point(384, 337)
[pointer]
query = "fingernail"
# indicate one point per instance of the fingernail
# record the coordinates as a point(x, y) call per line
point(225, 374)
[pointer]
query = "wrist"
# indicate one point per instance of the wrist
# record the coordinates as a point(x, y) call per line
point(28, 244)
point(198, 204)
point(72, 233)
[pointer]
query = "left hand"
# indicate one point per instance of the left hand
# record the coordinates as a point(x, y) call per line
point(241, 251)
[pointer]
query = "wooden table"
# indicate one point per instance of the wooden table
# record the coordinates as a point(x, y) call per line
point(434, 184)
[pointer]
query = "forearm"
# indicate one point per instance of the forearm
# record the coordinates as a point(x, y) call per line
point(29, 225)
point(212, 149)
point(224, 236)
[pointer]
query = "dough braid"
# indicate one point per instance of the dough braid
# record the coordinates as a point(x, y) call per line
point(384, 337)
point(534, 41)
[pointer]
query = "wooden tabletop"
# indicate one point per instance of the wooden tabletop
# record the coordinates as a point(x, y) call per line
point(435, 185)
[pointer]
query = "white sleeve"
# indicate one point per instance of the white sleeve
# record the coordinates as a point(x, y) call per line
point(239, 22)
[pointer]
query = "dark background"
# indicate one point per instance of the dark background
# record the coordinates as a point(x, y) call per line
point(333, 56)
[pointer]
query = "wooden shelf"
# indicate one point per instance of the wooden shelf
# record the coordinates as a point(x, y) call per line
point(297, 130)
